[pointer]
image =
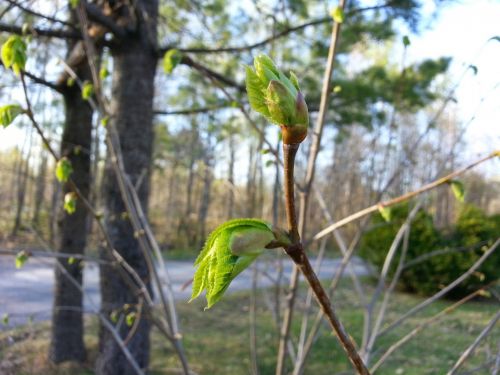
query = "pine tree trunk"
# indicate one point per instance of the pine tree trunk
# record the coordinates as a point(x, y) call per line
point(134, 65)
point(71, 235)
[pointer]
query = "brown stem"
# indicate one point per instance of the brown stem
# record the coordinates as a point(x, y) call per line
point(298, 255)
point(289, 153)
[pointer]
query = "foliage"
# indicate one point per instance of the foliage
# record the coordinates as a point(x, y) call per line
point(472, 227)
point(229, 249)
point(14, 54)
point(64, 169)
point(70, 202)
point(171, 59)
point(278, 98)
point(8, 113)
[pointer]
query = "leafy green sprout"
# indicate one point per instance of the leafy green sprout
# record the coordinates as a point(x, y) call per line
point(229, 250)
point(278, 98)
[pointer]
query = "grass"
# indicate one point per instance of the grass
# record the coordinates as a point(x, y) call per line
point(217, 341)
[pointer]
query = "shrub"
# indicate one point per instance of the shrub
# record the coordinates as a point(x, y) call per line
point(472, 233)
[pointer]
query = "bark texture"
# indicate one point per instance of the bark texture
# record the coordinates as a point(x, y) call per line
point(134, 65)
point(67, 317)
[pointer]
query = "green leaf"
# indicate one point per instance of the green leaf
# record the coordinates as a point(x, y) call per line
point(21, 258)
point(337, 89)
point(294, 80)
point(104, 121)
point(70, 202)
point(255, 91)
point(171, 59)
point(87, 90)
point(229, 249)
point(458, 189)
point(406, 41)
point(8, 113)
point(14, 54)
point(71, 261)
point(130, 319)
point(5, 319)
point(63, 169)
point(74, 3)
point(385, 212)
point(103, 72)
point(338, 14)
point(70, 82)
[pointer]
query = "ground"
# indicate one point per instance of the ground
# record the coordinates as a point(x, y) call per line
point(217, 340)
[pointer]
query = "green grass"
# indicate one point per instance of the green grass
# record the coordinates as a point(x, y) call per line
point(217, 340)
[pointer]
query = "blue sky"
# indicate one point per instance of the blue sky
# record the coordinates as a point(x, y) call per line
point(461, 30)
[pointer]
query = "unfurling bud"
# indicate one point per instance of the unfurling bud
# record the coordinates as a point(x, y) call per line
point(278, 98)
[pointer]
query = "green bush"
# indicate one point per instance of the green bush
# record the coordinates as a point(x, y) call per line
point(472, 233)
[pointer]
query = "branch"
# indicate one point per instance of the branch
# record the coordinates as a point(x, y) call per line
point(43, 82)
point(96, 15)
point(36, 31)
point(39, 15)
point(421, 326)
point(401, 198)
point(186, 60)
point(192, 111)
point(474, 345)
point(443, 291)
point(269, 39)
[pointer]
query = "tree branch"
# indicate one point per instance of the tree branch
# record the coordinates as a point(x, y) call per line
point(39, 15)
point(37, 31)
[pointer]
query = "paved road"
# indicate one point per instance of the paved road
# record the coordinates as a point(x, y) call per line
point(27, 293)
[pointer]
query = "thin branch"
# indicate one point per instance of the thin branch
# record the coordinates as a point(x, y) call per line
point(443, 291)
point(467, 353)
point(434, 319)
point(402, 198)
point(37, 31)
point(37, 14)
point(186, 60)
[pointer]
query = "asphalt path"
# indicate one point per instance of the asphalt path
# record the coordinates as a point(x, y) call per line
point(26, 293)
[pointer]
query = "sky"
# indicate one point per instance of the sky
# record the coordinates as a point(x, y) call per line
point(460, 30)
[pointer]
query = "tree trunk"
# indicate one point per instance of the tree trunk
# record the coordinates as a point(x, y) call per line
point(205, 197)
point(134, 65)
point(40, 188)
point(22, 173)
point(67, 316)
point(230, 179)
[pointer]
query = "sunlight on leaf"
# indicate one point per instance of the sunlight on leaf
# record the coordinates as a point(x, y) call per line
point(70, 202)
point(63, 169)
point(385, 212)
point(229, 250)
point(171, 59)
point(458, 189)
point(8, 113)
point(14, 54)
point(21, 258)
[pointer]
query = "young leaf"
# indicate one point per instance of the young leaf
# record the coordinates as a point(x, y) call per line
point(71, 261)
point(70, 202)
point(14, 54)
point(229, 249)
point(74, 3)
point(385, 212)
point(406, 41)
point(130, 319)
point(338, 14)
point(63, 169)
point(103, 72)
point(87, 90)
point(5, 319)
point(458, 189)
point(21, 258)
point(8, 113)
point(171, 59)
